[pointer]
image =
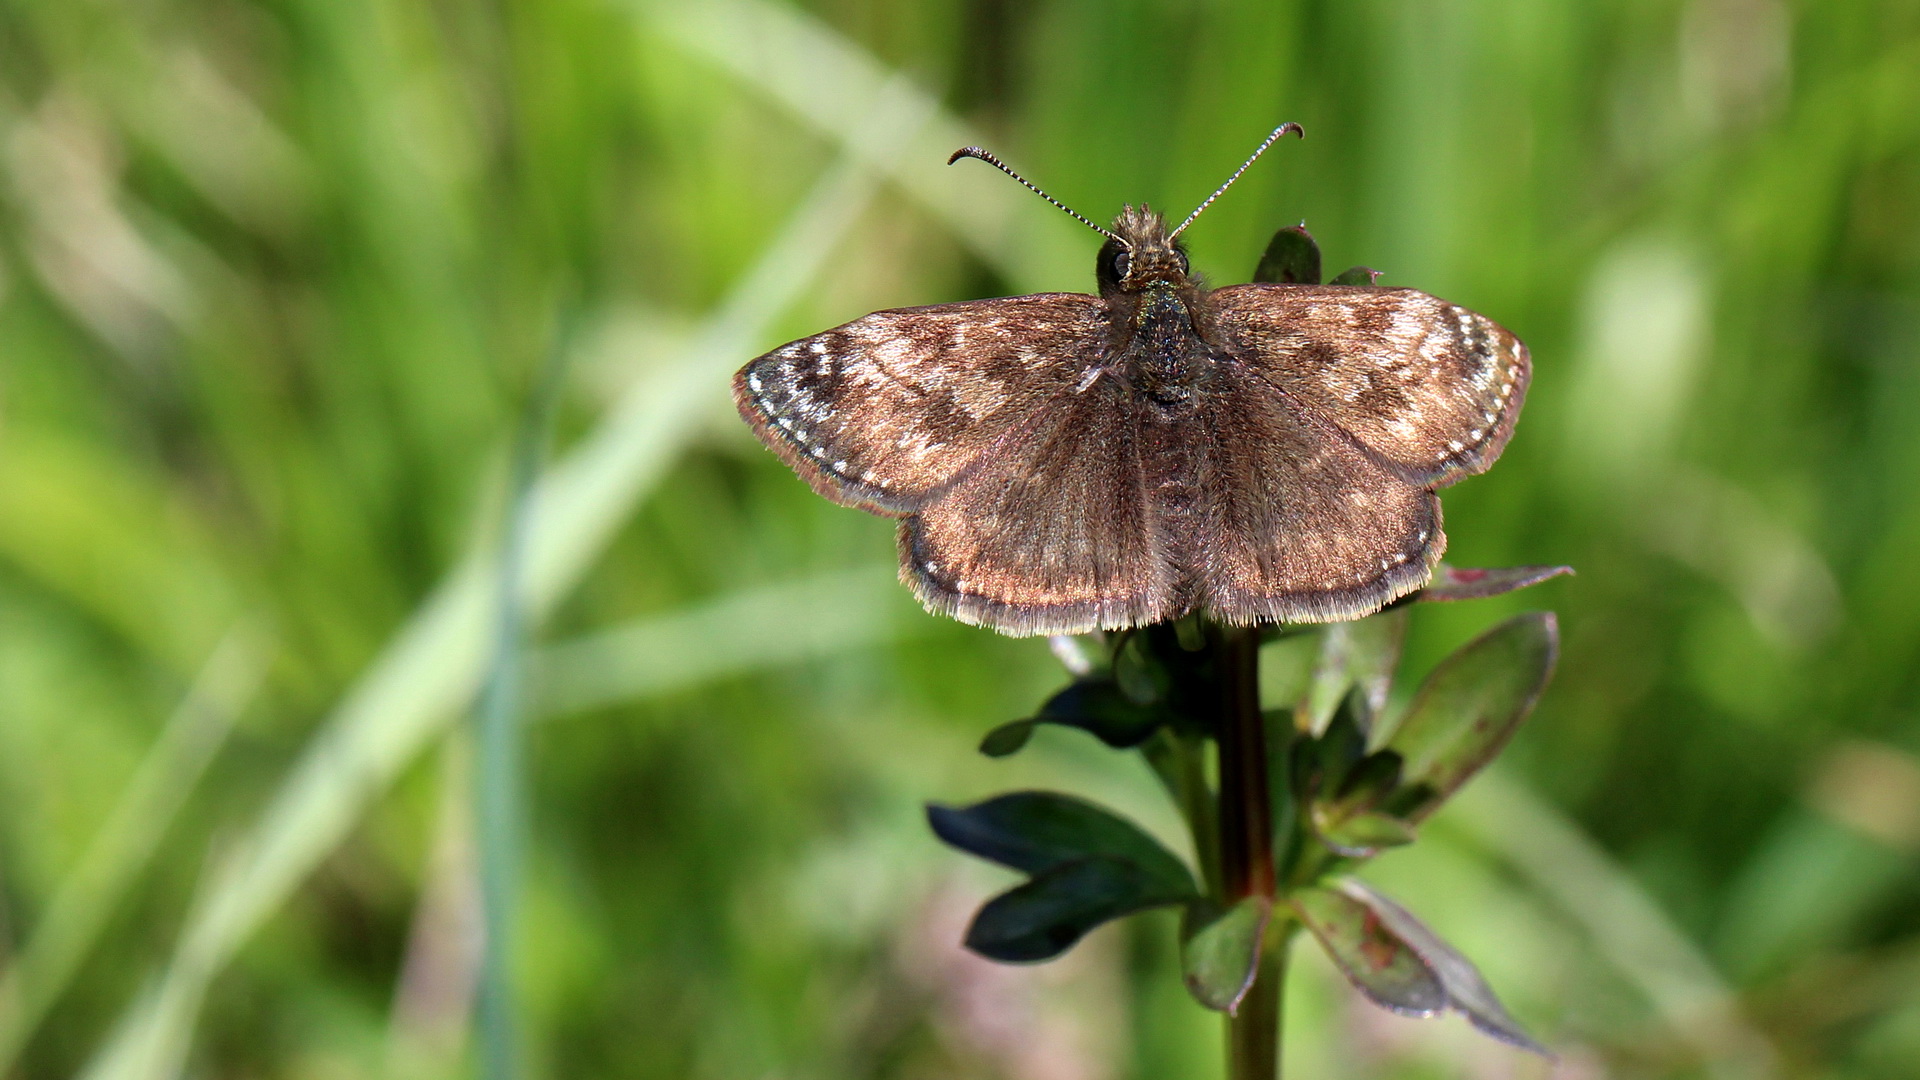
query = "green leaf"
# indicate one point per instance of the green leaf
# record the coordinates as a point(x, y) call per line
point(1354, 655)
point(1044, 917)
point(1220, 950)
point(1291, 258)
point(1008, 738)
point(1462, 583)
point(1375, 959)
point(1468, 708)
point(1362, 835)
point(1356, 275)
point(1466, 989)
point(1038, 831)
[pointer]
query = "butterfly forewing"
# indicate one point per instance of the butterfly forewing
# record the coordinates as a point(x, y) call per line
point(886, 410)
point(1301, 524)
point(1053, 531)
point(1430, 389)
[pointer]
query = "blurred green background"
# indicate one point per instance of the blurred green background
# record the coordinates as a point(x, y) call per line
point(283, 285)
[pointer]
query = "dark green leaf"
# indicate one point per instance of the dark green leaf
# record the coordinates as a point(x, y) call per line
point(1356, 275)
point(1355, 655)
point(1008, 738)
point(1291, 258)
point(1036, 831)
point(1100, 708)
point(1375, 959)
point(1466, 989)
point(1469, 707)
point(1044, 917)
point(1220, 950)
point(1461, 583)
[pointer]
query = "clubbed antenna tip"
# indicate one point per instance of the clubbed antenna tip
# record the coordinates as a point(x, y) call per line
point(1287, 128)
point(976, 152)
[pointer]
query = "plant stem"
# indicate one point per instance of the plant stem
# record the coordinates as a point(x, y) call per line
point(1246, 809)
point(1253, 1033)
point(1246, 847)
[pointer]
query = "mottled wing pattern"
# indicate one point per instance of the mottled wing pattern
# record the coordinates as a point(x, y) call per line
point(883, 412)
point(1054, 532)
point(1431, 390)
point(1300, 524)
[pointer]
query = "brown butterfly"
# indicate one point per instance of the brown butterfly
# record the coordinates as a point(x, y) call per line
point(1061, 462)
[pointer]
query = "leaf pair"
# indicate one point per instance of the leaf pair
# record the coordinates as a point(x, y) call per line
point(1367, 780)
point(1087, 866)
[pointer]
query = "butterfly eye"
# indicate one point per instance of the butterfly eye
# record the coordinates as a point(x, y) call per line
point(1182, 257)
point(1121, 261)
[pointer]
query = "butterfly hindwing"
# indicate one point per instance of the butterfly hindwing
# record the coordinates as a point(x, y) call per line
point(1301, 525)
point(886, 410)
point(1052, 532)
point(1430, 389)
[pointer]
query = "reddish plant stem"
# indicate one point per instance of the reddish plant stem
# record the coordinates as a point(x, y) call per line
point(1246, 809)
point(1246, 843)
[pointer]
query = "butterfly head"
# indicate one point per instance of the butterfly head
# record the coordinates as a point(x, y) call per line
point(1140, 254)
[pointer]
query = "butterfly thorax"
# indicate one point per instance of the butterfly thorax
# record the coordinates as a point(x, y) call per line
point(1156, 303)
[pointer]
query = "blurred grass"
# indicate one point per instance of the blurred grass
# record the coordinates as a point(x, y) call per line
point(265, 274)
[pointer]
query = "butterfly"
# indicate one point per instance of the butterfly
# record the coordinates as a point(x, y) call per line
point(1063, 462)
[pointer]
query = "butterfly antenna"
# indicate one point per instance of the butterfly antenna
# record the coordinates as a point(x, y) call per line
point(1283, 129)
point(976, 152)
